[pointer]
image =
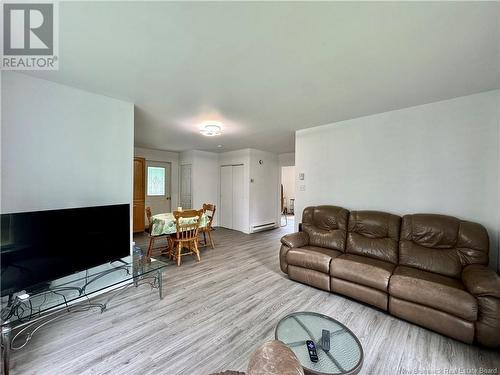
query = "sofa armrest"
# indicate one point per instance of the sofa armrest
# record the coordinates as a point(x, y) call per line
point(481, 281)
point(297, 239)
point(484, 284)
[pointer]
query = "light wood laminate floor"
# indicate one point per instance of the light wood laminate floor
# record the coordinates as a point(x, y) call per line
point(216, 312)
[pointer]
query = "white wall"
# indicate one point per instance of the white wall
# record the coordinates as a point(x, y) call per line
point(206, 172)
point(286, 159)
point(164, 156)
point(205, 179)
point(261, 197)
point(240, 157)
point(186, 157)
point(441, 157)
point(288, 182)
point(264, 188)
point(63, 147)
point(498, 188)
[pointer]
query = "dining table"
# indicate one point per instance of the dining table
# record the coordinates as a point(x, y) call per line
point(165, 223)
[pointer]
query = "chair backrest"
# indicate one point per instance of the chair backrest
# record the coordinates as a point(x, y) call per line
point(209, 210)
point(148, 215)
point(187, 224)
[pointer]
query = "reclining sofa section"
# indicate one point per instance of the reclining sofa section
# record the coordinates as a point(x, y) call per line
point(425, 268)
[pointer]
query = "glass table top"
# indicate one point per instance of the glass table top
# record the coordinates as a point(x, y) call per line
point(345, 355)
point(63, 291)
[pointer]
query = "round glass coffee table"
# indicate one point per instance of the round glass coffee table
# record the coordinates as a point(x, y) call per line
point(345, 355)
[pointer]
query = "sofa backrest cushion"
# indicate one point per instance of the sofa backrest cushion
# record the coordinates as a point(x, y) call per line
point(442, 244)
point(326, 226)
point(374, 234)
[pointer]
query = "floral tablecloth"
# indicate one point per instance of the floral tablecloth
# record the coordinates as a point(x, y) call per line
point(165, 223)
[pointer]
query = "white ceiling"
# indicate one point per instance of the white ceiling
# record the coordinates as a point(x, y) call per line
point(267, 69)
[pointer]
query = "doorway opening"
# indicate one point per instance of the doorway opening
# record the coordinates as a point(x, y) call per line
point(288, 196)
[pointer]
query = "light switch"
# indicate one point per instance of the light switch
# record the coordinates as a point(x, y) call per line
point(302, 187)
point(301, 176)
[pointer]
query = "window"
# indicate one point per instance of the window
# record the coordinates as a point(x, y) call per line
point(156, 181)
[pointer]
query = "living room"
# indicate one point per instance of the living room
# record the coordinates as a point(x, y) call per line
point(152, 156)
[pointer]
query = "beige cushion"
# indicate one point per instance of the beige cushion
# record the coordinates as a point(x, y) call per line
point(274, 358)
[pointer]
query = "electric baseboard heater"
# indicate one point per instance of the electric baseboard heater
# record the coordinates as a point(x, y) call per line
point(261, 227)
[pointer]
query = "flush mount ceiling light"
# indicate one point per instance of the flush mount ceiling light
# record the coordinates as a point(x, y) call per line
point(211, 129)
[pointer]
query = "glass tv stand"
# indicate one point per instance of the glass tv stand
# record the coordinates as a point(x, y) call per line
point(22, 316)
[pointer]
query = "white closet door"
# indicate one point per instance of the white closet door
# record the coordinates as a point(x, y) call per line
point(226, 197)
point(238, 198)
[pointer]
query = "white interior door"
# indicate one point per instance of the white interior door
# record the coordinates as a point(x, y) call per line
point(238, 197)
point(158, 181)
point(226, 197)
point(186, 194)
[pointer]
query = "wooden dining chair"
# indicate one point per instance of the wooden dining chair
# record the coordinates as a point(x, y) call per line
point(209, 211)
point(154, 238)
point(186, 236)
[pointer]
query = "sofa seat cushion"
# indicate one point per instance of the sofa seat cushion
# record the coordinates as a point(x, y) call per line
point(312, 257)
point(433, 290)
point(362, 270)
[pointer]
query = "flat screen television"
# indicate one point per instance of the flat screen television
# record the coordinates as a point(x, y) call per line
point(38, 247)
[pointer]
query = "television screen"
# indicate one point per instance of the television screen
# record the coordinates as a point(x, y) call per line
point(41, 246)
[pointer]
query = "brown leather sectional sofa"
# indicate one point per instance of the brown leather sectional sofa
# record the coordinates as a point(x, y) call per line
point(425, 268)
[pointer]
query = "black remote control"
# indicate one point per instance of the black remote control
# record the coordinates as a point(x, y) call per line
point(325, 340)
point(311, 348)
